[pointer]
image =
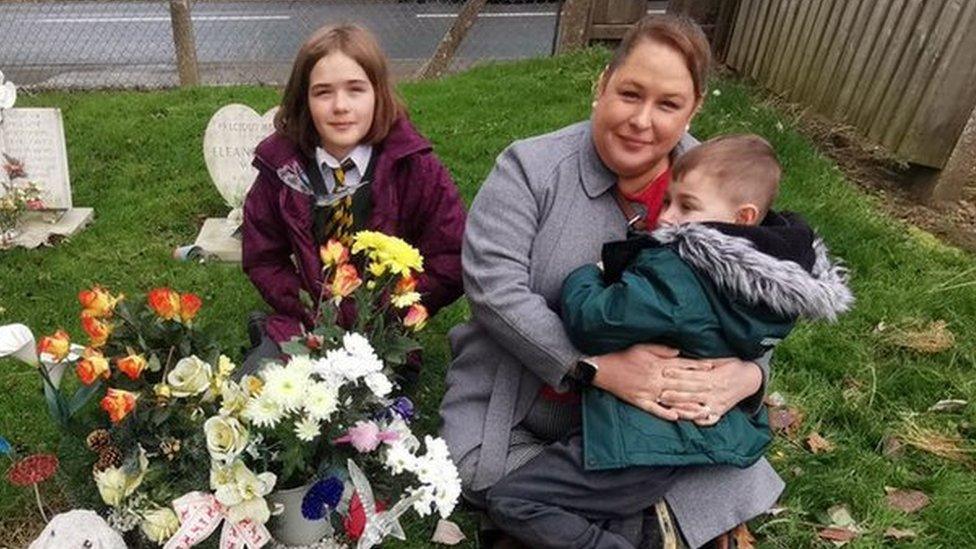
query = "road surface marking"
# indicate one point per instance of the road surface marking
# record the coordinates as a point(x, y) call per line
point(160, 19)
point(490, 14)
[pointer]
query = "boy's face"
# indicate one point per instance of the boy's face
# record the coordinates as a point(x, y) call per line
point(696, 197)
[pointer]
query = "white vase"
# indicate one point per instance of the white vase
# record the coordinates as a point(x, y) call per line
point(290, 527)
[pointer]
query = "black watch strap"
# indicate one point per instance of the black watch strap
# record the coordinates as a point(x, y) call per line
point(585, 372)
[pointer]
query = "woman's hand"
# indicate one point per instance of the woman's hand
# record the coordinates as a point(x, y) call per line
point(717, 391)
point(641, 374)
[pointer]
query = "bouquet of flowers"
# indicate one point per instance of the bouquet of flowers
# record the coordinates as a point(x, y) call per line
point(324, 417)
point(18, 194)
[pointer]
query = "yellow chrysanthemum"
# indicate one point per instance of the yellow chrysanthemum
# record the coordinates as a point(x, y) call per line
point(388, 253)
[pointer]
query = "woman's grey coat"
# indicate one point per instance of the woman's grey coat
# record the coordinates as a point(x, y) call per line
point(545, 210)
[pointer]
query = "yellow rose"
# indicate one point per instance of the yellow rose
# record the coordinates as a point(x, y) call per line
point(160, 525)
point(114, 484)
point(226, 437)
point(190, 376)
point(242, 492)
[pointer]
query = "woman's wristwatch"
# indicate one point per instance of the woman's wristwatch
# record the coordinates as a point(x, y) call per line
point(584, 372)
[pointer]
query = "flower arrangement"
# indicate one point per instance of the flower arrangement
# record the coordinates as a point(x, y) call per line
point(324, 417)
point(18, 194)
point(325, 414)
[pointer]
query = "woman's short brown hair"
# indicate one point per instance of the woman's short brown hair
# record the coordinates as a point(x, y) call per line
point(294, 120)
point(678, 32)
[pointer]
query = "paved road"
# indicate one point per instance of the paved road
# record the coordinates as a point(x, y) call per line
point(130, 43)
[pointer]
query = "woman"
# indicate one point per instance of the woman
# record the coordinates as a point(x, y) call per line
point(546, 208)
point(343, 157)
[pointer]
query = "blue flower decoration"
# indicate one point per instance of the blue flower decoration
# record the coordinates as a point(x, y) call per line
point(323, 495)
point(5, 446)
point(403, 407)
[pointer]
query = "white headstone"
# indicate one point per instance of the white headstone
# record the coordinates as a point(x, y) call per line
point(228, 148)
point(36, 138)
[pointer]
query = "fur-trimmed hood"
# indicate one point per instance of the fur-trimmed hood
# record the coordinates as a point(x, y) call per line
point(781, 264)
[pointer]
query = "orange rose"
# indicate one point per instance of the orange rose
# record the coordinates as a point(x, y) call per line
point(333, 253)
point(118, 404)
point(189, 307)
point(97, 302)
point(345, 282)
point(165, 302)
point(93, 365)
point(406, 285)
point(132, 365)
point(97, 330)
point(57, 345)
point(416, 317)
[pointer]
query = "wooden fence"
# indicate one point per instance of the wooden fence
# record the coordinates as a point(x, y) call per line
point(902, 72)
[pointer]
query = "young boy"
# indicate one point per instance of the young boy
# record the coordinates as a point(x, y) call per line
point(723, 277)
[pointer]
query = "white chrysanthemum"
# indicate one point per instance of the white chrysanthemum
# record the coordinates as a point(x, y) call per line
point(262, 411)
point(399, 458)
point(307, 429)
point(379, 384)
point(442, 485)
point(321, 400)
point(358, 346)
point(286, 386)
point(302, 364)
point(351, 367)
point(425, 502)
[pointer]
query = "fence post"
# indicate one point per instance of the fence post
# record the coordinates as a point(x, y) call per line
point(959, 173)
point(186, 47)
point(441, 60)
point(574, 24)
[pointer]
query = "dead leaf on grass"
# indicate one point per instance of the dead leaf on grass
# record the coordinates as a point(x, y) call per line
point(933, 337)
point(743, 537)
point(936, 443)
point(908, 501)
point(948, 405)
point(777, 510)
point(897, 534)
point(892, 447)
point(818, 444)
point(785, 421)
point(839, 536)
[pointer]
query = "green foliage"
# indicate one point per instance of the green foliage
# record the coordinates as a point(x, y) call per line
point(136, 157)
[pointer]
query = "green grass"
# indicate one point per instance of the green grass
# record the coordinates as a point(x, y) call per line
point(136, 157)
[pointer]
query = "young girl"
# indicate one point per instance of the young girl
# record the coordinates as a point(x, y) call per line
point(344, 157)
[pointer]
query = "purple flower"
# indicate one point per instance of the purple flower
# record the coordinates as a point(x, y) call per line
point(323, 495)
point(403, 407)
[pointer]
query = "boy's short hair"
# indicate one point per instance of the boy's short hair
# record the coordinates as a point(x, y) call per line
point(743, 164)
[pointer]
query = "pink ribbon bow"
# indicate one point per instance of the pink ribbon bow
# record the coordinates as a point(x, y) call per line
point(200, 514)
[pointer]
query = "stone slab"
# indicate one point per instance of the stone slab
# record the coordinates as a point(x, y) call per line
point(37, 228)
point(216, 239)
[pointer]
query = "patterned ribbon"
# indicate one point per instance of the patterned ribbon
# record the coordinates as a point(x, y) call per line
point(200, 514)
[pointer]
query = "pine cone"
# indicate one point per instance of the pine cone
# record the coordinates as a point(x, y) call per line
point(108, 457)
point(170, 447)
point(98, 440)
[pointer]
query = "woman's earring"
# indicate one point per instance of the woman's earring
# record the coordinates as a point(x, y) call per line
point(688, 127)
point(594, 103)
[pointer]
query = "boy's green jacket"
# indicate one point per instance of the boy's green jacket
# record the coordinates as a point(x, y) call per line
point(711, 290)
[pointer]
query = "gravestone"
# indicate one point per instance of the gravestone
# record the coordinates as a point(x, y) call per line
point(35, 137)
point(228, 148)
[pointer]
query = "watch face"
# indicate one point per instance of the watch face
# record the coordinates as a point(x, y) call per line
point(587, 372)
